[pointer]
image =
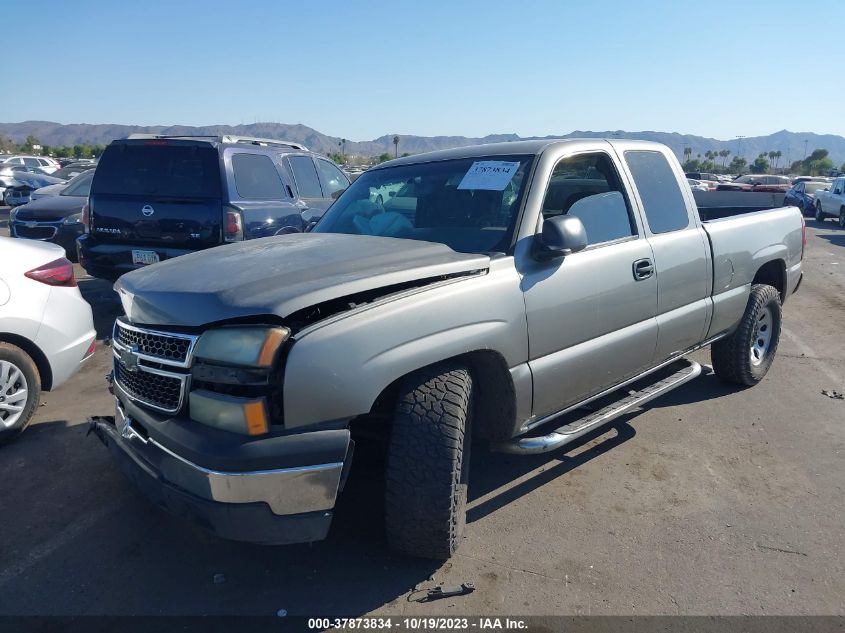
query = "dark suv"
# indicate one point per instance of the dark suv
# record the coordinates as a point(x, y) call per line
point(158, 197)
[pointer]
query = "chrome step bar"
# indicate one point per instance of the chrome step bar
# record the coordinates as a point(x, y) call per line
point(687, 370)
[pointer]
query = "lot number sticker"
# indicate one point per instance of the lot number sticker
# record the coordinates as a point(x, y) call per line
point(491, 175)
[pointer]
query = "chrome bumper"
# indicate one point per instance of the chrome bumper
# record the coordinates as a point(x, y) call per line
point(286, 490)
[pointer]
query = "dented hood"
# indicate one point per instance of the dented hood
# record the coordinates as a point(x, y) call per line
point(280, 275)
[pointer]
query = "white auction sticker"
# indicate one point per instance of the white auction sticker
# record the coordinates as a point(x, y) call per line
point(492, 175)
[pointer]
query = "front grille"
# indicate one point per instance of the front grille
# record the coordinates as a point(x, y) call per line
point(156, 344)
point(161, 392)
point(36, 232)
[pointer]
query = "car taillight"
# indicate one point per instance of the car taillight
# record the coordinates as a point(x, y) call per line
point(233, 229)
point(86, 218)
point(56, 273)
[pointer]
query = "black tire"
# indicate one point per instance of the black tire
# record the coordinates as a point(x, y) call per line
point(733, 356)
point(20, 360)
point(841, 222)
point(819, 213)
point(428, 462)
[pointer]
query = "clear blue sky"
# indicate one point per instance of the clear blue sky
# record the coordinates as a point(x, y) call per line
point(366, 68)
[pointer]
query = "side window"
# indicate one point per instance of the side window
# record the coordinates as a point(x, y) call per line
point(663, 202)
point(305, 175)
point(31, 162)
point(588, 187)
point(331, 177)
point(256, 177)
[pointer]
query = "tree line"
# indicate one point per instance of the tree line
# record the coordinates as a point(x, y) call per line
point(33, 147)
point(816, 164)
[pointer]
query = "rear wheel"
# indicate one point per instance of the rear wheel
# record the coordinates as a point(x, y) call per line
point(745, 356)
point(20, 389)
point(428, 462)
point(819, 213)
point(842, 218)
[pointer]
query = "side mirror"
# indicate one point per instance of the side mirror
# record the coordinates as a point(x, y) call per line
point(337, 193)
point(825, 189)
point(561, 235)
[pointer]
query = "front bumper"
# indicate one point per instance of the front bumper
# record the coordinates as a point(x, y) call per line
point(268, 505)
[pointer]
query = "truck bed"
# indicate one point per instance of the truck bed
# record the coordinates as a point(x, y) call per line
point(716, 205)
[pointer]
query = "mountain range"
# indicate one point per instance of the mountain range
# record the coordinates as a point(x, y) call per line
point(791, 144)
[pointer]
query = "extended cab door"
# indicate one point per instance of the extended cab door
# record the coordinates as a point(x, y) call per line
point(313, 201)
point(591, 314)
point(680, 246)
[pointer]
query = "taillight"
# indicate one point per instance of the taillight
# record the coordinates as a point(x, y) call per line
point(56, 273)
point(86, 218)
point(233, 229)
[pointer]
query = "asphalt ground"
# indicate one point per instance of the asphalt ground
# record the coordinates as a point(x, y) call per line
point(711, 500)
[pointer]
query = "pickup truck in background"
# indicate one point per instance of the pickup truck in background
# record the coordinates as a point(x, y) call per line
point(830, 202)
point(156, 197)
point(517, 283)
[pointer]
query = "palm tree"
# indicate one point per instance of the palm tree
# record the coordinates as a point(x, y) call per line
point(396, 146)
point(687, 153)
point(777, 154)
point(724, 154)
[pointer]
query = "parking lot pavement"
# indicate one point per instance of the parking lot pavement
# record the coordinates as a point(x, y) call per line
point(711, 500)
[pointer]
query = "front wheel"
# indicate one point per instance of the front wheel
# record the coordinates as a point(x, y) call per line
point(819, 212)
point(20, 390)
point(428, 462)
point(745, 356)
point(842, 218)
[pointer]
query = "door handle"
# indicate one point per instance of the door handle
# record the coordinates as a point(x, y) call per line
point(643, 269)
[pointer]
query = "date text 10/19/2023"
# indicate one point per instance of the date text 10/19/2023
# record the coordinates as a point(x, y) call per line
point(418, 624)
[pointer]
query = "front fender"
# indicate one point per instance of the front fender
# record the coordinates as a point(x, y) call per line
point(335, 370)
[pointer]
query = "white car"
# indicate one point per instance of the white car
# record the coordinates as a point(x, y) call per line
point(46, 328)
point(697, 185)
point(46, 164)
point(830, 202)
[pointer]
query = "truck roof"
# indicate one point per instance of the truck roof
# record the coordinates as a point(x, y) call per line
point(509, 148)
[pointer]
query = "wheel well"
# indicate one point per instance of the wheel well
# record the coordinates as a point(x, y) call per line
point(494, 398)
point(773, 273)
point(38, 357)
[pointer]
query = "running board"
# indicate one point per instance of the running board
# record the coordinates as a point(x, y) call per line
point(687, 370)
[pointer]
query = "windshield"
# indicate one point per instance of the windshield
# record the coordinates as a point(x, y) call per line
point(468, 204)
point(79, 185)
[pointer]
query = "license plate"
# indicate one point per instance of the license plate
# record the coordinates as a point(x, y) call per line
point(145, 258)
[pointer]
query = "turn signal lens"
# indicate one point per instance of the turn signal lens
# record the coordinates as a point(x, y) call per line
point(229, 413)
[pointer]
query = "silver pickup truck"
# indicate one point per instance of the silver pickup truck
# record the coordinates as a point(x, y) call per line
point(493, 295)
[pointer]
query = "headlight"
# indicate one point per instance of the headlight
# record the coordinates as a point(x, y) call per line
point(248, 346)
point(76, 218)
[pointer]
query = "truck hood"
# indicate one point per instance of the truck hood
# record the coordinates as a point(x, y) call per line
point(280, 275)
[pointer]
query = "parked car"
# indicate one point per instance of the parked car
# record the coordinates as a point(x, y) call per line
point(803, 195)
point(157, 197)
point(244, 374)
point(74, 169)
point(711, 180)
point(830, 202)
point(697, 185)
point(798, 179)
point(48, 165)
point(46, 328)
point(18, 182)
point(56, 189)
point(56, 219)
point(757, 182)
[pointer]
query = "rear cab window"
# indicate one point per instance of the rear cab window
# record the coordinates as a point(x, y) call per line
point(256, 177)
point(158, 169)
point(663, 202)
